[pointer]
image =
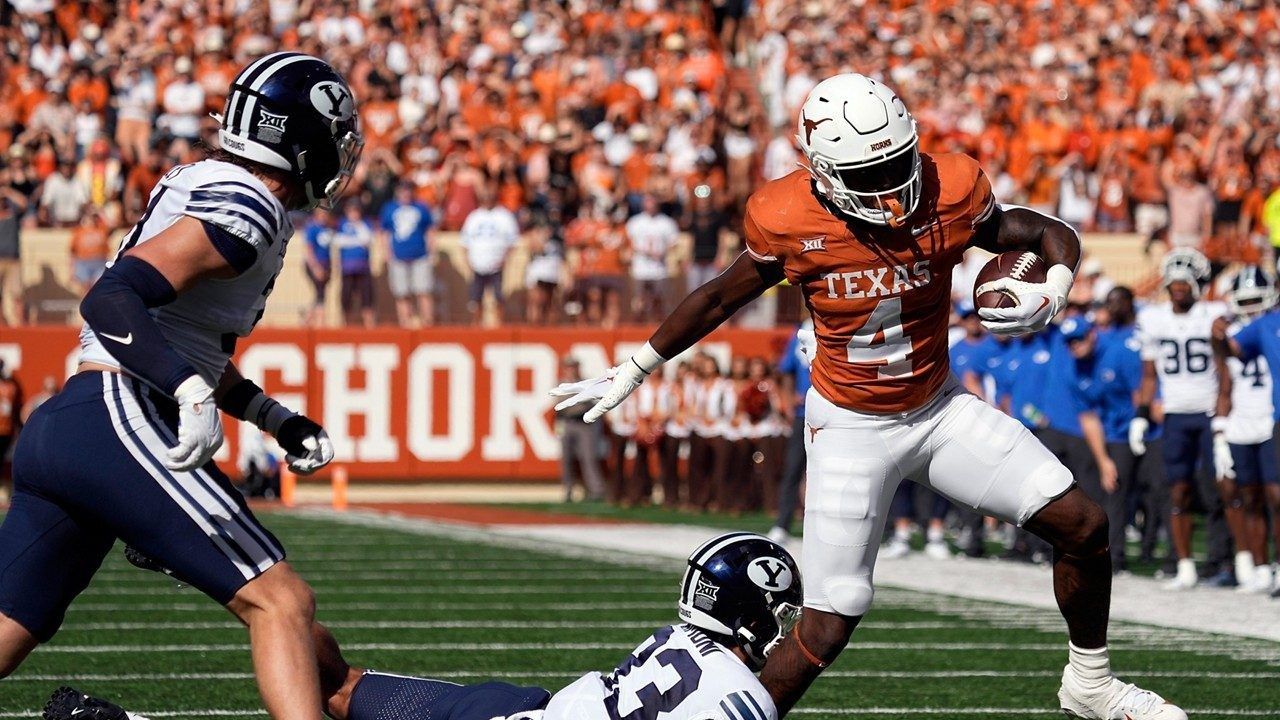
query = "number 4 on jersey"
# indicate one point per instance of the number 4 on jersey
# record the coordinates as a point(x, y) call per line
point(893, 351)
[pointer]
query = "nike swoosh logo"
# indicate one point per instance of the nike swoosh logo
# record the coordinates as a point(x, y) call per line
point(126, 340)
point(918, 231)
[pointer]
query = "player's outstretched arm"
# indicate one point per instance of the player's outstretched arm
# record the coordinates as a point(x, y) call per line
point(307, 444)
point(1012, 227)
point(700, 313)
point(117, 307)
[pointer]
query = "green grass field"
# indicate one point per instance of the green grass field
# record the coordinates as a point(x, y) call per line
point(451, 608)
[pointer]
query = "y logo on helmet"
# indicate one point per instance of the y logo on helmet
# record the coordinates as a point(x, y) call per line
point(770, 574)
point(333, 100)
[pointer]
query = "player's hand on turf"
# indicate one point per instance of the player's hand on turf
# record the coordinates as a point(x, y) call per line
point(1138, 428)
point(608, 391)
point(199, 426)
point(307, 445)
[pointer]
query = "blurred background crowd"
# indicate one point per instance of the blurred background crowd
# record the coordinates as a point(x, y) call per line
point(610, 146)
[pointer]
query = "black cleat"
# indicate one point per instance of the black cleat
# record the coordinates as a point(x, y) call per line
point(69, 704)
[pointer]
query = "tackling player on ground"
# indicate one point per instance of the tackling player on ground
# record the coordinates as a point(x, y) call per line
point(739, 597)
point(870, 233)
point(124, 451)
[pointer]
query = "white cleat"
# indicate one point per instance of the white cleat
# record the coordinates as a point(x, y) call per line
point(1264, 579)
point(779, 535)
point(1115, 701)
point(937, 550)
point(1186, 577)
point(1244, 570)
point(897, 548)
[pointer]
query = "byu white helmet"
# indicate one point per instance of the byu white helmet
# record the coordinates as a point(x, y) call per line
point(862, 148)
point(1253, 291)
point(1187, 265)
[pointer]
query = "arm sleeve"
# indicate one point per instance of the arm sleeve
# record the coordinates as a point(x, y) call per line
point(117, 310)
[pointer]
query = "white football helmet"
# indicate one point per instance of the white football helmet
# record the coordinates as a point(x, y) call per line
point(862, 149)
point(1185, 264)
point(1253, 291)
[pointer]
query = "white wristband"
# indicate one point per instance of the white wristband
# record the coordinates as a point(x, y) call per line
point(1061, 278)
point(1219, 424)
point(647, 359)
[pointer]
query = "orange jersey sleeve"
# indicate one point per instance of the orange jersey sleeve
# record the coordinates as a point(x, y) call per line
point(755, 237)
point(880, 297)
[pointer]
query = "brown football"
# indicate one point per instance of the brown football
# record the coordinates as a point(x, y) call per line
point(1019, 265)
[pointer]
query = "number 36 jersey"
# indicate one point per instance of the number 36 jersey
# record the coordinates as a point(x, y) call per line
point(252, 230)
point(1180, 346)
point(880, 296)
point(677, 674)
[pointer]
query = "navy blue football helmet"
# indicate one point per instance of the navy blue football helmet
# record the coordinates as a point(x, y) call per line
point(744, 590)
point(1253, 291)
point(294, 112)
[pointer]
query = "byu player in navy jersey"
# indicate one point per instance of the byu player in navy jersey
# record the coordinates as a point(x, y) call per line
point(739, 597)
point(191, 277)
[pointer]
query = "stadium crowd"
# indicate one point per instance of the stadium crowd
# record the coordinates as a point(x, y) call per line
point(577, 118)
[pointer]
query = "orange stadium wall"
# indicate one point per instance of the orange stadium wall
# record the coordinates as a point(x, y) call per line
point(448, 403)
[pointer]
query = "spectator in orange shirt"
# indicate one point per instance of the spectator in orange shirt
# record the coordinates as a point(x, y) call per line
point(602, 249)
point(90, 243)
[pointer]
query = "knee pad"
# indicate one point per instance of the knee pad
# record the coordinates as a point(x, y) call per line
point(850, 596)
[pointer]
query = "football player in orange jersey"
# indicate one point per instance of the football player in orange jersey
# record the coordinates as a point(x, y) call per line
point(870, 231)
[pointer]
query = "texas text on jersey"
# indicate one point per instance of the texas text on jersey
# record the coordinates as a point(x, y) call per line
point(203, 323)
point(877, 293)
point(1179, 346)
point(678, 672)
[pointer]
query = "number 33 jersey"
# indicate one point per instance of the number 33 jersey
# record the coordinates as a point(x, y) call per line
point(677, 674)
point(248, 226)
point(1180, 346)
point(880, 296)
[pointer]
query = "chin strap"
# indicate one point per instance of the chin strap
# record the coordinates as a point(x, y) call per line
point(814, 659)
